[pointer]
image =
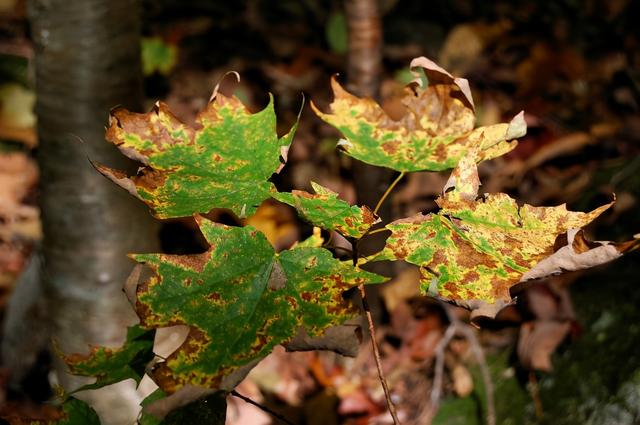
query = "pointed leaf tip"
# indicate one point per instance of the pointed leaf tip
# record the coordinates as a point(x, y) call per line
point(517, 127)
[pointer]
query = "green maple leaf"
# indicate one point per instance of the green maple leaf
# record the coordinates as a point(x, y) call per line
point(477, 249)
point(325, 210)
point(77, 412)
point(114, 365)
point(225, 162)
point(240, 299)
point(436, 131)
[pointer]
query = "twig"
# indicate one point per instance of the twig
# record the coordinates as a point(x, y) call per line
point(261, 407)
point(376, 354)
point(374, 343)
point(387, 192)
point(535, 395)
point(457, 327)
point(469, 334)
point(436, 389)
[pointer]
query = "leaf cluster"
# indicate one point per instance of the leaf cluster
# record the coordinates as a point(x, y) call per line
point(240, 298)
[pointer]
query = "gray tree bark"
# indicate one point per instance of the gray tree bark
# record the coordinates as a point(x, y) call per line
point(87, 60)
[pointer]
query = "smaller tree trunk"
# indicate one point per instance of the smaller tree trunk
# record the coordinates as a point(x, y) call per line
point(364, 66)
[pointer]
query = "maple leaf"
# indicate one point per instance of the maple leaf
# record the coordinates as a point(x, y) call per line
point(475, 250)
point(77, 412)
point(436, 130)
point(225, 162)
point(71, 412)
point(325, 210)
point(240, 299)
point(114, 365)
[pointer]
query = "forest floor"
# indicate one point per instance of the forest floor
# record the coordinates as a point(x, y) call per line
point(563, 354)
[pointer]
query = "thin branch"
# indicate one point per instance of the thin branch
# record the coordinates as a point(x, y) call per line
point(469, 334)
point(374, 343)
point(261, 407)
point(436, 389)
point(457, 327)
point(535, 395)
point(387, 192)
point(376, 354)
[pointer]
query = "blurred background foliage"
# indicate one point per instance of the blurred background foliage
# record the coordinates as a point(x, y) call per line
point(567, 353)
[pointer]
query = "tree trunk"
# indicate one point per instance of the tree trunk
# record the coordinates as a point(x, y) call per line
point(364, 63)
point(87, 60)
point(364, 66)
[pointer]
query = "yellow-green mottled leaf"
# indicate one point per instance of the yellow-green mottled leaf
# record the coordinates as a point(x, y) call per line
point(435, 132)
point(225, 161)
point(114, 365)
point(240, 299)
point(477, 249)
point(325, 210)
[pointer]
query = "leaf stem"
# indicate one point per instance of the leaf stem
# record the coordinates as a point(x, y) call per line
point(387, 192)
point(380, 230)
point(261, 407)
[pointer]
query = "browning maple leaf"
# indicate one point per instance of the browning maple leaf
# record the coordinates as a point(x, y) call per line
point(111, 365)
point(224, 162)
point(474, 250)
point(436, 130)
point(325, 210)
point(240, 299)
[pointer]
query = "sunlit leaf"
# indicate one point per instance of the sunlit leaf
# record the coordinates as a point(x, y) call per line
point(240, 299)
point(477, 249)
point(436, 131)
point(224, 162)
point(325, 210)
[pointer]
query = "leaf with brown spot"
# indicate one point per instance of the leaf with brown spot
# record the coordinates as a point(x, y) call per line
point(325, 210)
point(435, 132)
point(71, 412)
point(114, 365)
point(249, 301)
point(225, 161)
point(474, 250)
